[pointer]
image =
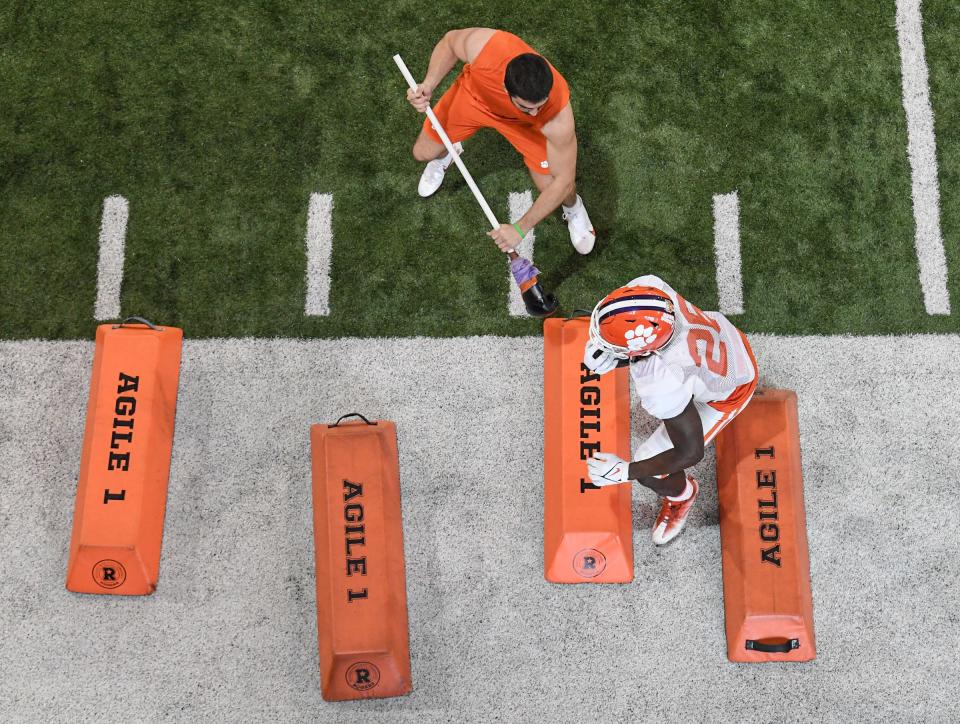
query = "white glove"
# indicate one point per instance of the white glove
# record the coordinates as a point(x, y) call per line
point(598, 359)
point(608, 469)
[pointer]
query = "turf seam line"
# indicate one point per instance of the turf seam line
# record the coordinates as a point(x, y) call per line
point(113, 232)
point(519, 203)
point(726, 237)
point(922, 152)
point(319, 251)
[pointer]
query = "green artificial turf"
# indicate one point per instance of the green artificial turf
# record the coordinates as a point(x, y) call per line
point(218, 120)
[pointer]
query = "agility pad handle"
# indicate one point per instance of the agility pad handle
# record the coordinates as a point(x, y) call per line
point(352, 414)
point(784, 648)
point(362, 623)
point(587, 530)
point(125, 461)
point(140, 320)
point(763, 535)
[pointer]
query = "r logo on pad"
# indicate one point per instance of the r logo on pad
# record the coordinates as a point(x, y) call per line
point(589, 563)
point(109, 573)
point(363, 676)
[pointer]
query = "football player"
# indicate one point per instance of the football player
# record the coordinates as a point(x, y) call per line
point(693, 370)
point(506, 86)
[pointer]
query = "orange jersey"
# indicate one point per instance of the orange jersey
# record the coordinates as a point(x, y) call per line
point(483, 79)
point(478, 99)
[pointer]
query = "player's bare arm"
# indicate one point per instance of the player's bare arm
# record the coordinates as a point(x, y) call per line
point(559, 187)
point(456, 46)
point(686, 434)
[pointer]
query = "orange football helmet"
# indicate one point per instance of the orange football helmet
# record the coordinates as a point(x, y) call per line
point(633, 321)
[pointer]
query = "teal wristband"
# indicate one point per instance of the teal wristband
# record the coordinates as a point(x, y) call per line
point(519, 230)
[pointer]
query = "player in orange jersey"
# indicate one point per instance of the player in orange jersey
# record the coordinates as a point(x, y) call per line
point(506, 86)
point(693, 370)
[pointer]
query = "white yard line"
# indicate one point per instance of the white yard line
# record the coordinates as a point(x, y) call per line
point(922, 150)
point(113, 232)
point(726, 236)
point(519, 204)
point(319, 252)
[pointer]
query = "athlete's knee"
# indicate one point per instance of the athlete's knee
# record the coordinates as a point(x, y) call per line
point(425, 150)
point(420, 153)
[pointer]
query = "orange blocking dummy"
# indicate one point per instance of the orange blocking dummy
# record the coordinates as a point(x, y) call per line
point(125, 463)
point(588, 530)
point(763, 533)
point(358, 539)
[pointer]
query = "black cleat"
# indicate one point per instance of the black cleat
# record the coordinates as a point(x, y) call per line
point(538, 304)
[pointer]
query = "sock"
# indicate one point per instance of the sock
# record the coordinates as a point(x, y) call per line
point(448, 159)
point(576, 205)
point(685, 495)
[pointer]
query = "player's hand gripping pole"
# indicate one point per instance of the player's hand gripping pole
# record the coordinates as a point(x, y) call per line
point(537, 302)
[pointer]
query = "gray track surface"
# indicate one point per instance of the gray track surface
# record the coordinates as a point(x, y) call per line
point(230, 634)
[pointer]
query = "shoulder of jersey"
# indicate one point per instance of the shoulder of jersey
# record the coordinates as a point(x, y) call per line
point(657, 368)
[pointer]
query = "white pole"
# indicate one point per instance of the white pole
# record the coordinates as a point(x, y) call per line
point(446, 142)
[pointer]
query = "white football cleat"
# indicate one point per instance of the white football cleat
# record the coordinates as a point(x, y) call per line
point(433, 174)
point(582, 235)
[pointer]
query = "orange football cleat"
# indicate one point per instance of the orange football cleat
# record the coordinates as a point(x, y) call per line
point(673, 515)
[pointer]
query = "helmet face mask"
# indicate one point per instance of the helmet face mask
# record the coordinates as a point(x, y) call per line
point(633, 322)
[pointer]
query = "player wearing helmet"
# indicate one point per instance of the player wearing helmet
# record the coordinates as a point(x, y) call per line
point(693, 370)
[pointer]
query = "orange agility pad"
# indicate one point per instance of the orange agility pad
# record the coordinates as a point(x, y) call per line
point(587, 530)
point(763, 533)
point(361, 582)
point(125, 463)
